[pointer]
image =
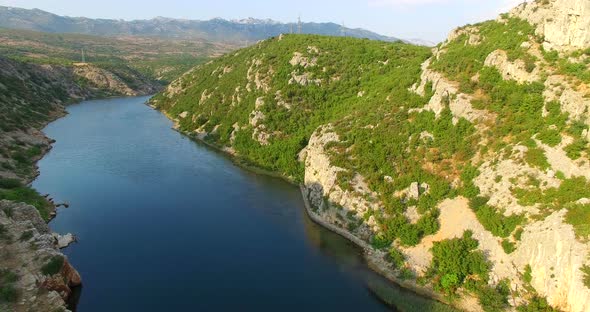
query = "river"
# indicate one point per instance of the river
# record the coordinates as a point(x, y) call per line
point(167, 224)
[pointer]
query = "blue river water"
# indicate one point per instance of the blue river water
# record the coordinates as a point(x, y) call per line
point(166, 224)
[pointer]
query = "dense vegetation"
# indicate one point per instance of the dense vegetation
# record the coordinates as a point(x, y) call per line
point(8, 291)
point(458, 264)
point(53, 265)
point(363, 93)
point(345, 66)
point(456, 260)
point(12, 189)
point(492, 220)
point(461, 61)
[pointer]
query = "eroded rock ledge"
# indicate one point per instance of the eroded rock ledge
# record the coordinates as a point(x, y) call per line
point(32, 255)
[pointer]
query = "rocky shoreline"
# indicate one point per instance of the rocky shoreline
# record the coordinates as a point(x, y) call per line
point(375, 259)
point(45, 275)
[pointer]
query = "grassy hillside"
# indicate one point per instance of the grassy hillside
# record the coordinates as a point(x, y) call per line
point(345, 66)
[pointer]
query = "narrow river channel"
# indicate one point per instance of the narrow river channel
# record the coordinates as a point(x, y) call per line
point(166, 224)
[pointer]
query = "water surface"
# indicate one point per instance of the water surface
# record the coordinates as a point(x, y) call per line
point(165, 224)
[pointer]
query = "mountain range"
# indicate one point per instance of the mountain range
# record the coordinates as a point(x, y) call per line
point(218, 30)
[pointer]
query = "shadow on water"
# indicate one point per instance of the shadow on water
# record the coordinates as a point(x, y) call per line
point(350, 258)
point(74, 298)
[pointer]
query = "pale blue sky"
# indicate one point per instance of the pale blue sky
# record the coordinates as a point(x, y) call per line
point(424, 19)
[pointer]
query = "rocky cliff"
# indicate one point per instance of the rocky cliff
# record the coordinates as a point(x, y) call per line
point(563, 24)
point(462, 171)
point(35, 273)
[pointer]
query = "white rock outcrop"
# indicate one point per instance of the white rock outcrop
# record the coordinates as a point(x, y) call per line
point(565, 24)
point(555, 256)
point(300, 60)
point(511, 70)
point(445, 92)
point(321, 181)
point(575, 103)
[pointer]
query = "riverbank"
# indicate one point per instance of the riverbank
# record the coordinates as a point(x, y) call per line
point(376, 261)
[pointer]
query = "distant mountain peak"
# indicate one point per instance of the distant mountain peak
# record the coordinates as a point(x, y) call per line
point(241, 31)
point(251, 20)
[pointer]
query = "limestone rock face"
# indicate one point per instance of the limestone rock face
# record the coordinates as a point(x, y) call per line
point(555, 256)
point(27, 247)
point(64, 241)
point(511, 70)
point(323, 191)
point(445, 91)
point(565, 24)
point(320, 174)
point(575, 103)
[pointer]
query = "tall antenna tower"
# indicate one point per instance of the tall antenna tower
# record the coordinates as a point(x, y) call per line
point(299, 26)
point(343, 30)
point(83, 56)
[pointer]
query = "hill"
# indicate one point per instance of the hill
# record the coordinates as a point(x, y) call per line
point(159, 59)
point(466, 167)
point(218, 30)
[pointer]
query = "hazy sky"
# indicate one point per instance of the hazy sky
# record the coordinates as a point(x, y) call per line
point(424, 19)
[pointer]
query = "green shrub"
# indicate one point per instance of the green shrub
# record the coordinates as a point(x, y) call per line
point(537, 304)
point(406, 274)
point(518, 234)
point(495, 222)
point(575, 149)
point(29, 196)
point(453, 260)
point(570, 191)
point(462, 61)
point(380, 241)
point(395, 257)
point(9, 183)
point(494, 299)
point(508, 246)
point(586, 271)
point(53, 266)
point(400, 299)
point(550, 137)
point(528, 274)
point(8, 291)
point(7, 276)
point(8, 211)
point(4, 235)
point(536, 158)
point(468, 176)
point(26, 235)
point(579, 216)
